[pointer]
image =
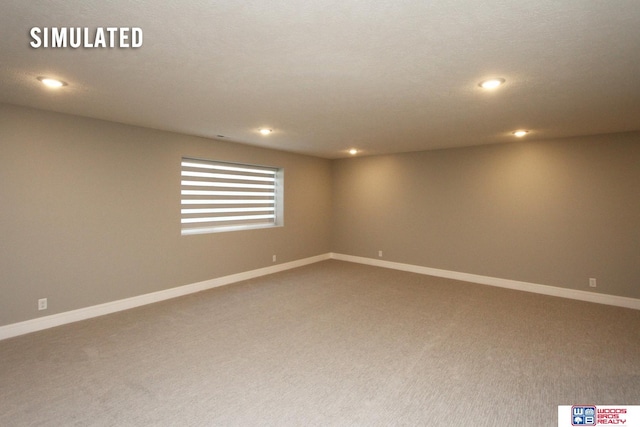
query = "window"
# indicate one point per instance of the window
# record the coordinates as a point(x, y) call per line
point(219, 196)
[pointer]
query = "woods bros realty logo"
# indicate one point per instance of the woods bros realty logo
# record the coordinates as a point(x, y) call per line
point(592, 415)
point(76, 37)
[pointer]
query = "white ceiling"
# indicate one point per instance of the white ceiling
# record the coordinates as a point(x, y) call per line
point(327, 75)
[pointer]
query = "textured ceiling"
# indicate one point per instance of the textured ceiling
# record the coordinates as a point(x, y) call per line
point(382, 76)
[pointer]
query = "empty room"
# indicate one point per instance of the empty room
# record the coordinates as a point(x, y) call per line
point(330, 213)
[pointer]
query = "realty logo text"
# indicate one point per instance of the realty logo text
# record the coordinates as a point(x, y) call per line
point(590, 415)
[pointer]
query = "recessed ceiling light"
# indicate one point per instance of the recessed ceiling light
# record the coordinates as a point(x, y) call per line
point(49, 82)
point(491, 83)
point(265, 131)
point(520, 133)
point(353, 151)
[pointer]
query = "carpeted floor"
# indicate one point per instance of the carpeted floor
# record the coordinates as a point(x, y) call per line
point(330, 344)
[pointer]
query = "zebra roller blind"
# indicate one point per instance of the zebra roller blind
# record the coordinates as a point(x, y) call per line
point(220, 196)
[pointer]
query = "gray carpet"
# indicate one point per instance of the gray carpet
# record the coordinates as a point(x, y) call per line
point(330, 344)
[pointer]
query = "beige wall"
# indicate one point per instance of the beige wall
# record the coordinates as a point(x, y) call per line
point(552, 213)
point(91, 213)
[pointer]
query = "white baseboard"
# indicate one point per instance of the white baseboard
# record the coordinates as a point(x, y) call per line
point(502, 283)
point(53, 320)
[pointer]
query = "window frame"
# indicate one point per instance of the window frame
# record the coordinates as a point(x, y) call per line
point(203, 187)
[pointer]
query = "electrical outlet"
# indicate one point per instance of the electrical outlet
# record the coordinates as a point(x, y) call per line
point(274, 258)
point(592, 283)
point(42, 304)
point(380, 254)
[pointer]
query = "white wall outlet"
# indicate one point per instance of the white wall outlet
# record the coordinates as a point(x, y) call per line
point(42, 304)
point(274, 258)
point(380, 254)
point(592, 283)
